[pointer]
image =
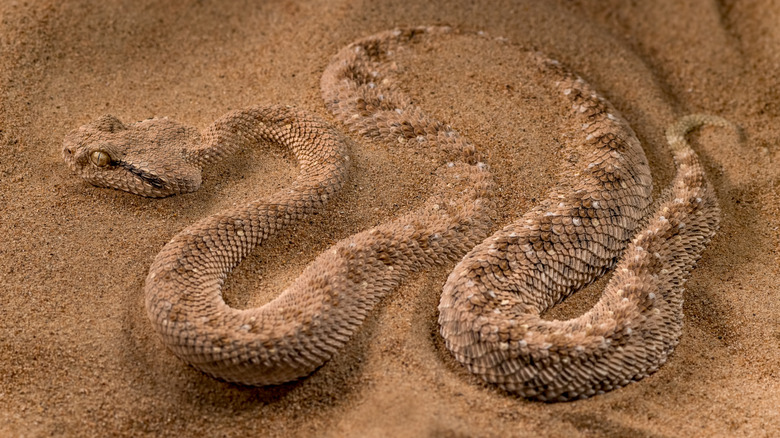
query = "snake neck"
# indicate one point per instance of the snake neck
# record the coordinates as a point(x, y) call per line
point(243, 128)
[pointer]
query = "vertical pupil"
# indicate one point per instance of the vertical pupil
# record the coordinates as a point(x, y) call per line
point(100, 158)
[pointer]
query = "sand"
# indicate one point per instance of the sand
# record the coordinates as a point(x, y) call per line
point(78, 356)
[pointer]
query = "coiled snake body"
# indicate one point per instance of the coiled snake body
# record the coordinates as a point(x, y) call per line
point(491, 302)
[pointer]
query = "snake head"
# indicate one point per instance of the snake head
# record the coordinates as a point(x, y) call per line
point(147, 158)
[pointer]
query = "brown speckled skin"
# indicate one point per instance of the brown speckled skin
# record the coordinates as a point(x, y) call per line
point(489, 311)
point(304, 326)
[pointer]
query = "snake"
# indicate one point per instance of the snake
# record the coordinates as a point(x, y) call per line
point(599, 217)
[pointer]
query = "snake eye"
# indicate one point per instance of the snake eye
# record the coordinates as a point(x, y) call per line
point(100, 158)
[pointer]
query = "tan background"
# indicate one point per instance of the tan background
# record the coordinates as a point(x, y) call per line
point(77, 356)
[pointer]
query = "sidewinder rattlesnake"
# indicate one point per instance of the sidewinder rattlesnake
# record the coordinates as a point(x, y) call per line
point(491, 303)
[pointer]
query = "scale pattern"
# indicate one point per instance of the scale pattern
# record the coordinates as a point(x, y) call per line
point(311, 320)
point(490, 306)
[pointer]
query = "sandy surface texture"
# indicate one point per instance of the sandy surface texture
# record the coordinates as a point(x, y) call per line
point(78, 356)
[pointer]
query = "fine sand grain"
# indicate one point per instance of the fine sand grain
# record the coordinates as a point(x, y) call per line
point(78, 356)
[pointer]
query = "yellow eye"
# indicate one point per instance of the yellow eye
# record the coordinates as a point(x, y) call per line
point(100, 158)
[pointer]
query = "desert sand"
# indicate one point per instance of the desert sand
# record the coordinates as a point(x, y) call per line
point(78, 356)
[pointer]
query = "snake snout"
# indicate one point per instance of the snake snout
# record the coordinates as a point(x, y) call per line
point(69, 155)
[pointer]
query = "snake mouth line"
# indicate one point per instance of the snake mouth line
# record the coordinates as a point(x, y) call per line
point(153, 180)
